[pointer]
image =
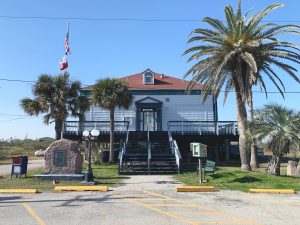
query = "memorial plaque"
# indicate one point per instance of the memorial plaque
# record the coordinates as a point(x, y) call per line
point(60, 157)
point(63, 157)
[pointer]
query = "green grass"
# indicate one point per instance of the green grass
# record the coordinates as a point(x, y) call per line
point(232, 178)
point(20, 147)
point(103, 175)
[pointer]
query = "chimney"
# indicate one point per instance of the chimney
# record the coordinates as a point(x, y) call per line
point(162, 76)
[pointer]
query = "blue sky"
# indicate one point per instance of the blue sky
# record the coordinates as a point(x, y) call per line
point(101, 48)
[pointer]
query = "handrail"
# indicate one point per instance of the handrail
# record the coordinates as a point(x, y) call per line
point(149, 151)
point(123, 151)
point(177, 155)
point(175, 150)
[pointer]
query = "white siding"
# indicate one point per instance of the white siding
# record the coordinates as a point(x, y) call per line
point(178, 108)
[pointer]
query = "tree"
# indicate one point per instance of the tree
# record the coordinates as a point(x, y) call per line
point(58, 98)
point(278, 128)
point(109, 94)
point(236, 54)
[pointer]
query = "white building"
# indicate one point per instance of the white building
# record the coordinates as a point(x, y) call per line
point(158, 99)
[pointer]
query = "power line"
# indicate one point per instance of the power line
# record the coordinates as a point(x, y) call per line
point(125, 19)
point(22, 81)
point(268, 92)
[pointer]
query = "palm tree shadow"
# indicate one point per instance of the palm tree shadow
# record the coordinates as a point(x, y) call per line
point(246, 179)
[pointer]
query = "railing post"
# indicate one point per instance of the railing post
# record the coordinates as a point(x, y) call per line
point(182, 127)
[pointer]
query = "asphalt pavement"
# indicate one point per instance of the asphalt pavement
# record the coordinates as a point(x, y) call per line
point(149, 200)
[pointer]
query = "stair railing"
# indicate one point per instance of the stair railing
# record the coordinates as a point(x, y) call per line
point(149, 151)
point(123, 151)
point(175, 150)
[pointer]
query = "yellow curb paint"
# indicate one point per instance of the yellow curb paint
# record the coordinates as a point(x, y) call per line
point(33, 214)
point(195, 188)
point(272, 191)
point(18, 191)
point(81, 188)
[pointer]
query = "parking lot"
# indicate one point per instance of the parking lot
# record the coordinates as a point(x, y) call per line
point(149, 200)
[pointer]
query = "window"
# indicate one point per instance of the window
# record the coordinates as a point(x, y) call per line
point(148, 78)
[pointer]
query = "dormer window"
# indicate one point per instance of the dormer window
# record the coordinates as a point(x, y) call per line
point(148, 77)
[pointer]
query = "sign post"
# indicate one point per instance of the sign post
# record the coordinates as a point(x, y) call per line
point(200, 151)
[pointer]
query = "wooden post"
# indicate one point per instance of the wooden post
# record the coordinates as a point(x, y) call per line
point(217, 155)
point(200, 170)
point(227, 149)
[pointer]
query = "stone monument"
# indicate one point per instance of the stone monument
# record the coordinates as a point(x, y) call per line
point(291, 168)
point(63, 157)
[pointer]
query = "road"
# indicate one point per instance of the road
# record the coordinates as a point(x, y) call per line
point(32, 164)
point(149, 200)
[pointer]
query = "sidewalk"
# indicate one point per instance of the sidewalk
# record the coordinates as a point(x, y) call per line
point(32, 164)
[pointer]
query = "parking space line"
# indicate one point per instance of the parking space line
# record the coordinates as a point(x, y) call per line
point(33, 214)
point(227, 215)
point(176, 205)
point(155, 199)
point(276, 200)
point(157, 210)
point(190, 212)
point(224, 222)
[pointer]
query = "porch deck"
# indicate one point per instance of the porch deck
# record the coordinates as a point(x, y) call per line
point(74, 129)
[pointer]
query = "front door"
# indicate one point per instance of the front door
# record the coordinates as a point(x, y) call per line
point(148, 120)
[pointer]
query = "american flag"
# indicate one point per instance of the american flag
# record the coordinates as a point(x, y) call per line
point(68, 51)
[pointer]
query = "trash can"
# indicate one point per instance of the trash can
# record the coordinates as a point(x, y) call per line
point(19, 165)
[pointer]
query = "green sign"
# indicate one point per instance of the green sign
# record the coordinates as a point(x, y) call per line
point(198, 149)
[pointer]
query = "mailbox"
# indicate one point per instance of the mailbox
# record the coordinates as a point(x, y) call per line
point(198, 149)
point(19, 165)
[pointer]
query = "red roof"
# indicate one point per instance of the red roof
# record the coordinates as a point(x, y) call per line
point(161, 82)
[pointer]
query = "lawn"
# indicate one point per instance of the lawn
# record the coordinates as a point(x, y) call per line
point(232, 178)
point(20, 147)
point(103, 175)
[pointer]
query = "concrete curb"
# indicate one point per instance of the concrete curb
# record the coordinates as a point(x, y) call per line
point(18, 191)
point(272, 191)
point(81, 188)
point(195, 188)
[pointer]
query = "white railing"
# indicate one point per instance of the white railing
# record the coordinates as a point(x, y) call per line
point(175, 150)
point(123, 151)
point(149, 151)
point(177, 155)
point(76, 127)
point(204, 127)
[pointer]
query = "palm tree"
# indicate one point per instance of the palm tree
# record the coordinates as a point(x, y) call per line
point(234, 54)
point(58, 98)
point(109, 94)
point(279, 129)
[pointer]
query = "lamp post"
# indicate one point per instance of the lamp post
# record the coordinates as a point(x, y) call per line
point(90, 135)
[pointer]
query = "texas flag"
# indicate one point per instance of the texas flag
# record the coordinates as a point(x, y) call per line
point(63, 64)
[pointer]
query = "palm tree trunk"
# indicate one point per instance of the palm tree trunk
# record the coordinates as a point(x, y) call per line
point(242, 121)
point(274, 165)
point(253, 159)
point(58, 128)
point(111, 139)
